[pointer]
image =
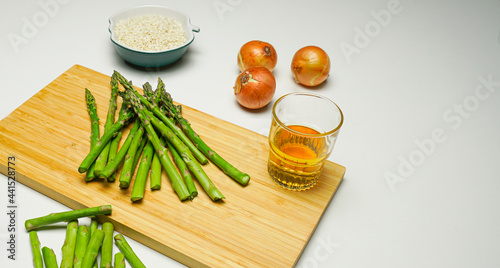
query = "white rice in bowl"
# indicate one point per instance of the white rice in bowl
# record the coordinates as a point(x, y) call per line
point(150, 33)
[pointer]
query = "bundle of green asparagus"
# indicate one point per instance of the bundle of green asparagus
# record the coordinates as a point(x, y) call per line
point(160, 138)
point(82, 244)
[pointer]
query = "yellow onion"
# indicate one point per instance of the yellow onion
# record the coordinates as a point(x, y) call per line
point(257, 53)
point(310, 66)
point(254, 88)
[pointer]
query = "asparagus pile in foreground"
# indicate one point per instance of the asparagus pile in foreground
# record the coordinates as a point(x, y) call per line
point(83, 244)
point(160, 139)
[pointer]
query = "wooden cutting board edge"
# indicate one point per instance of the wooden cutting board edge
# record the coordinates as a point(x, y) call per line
point(145, 240)
point(321, 216)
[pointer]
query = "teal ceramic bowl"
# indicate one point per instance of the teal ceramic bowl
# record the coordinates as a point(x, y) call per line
point(152, 59)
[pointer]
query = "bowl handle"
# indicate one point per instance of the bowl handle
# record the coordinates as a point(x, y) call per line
point(195, 28)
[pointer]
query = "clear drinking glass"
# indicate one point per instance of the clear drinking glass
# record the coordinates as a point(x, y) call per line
point(303, 132)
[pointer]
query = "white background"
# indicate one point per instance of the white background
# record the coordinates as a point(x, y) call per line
point(421, 139)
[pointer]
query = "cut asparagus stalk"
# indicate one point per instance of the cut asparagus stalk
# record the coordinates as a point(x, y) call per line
point(49, 258)
point(35, 248)
point(93, 249)
point(184, 171)
point(119, 260)
point(68, 249)
point(94, 128)
point(155, 174)
point(128, 252)
point(156, 111)
point(113, 151)
point(107, 245)
point(226, 167)
point(142, 173)
point(32, 224)
point(94, 224)
point(102, 159)
point(128, 167)
point(93, 227)
point(140, 150)
point(112, 166)
point(82, 240)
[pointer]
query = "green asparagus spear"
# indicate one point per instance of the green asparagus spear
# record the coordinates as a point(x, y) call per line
point(176, 113)
point(94, 128)
point(82, 240)
point(139, 152)
point(49, 258)
point(107, 245)
point(113, 151)
point(93, 249)
point(177, 182)
point(142, 173)
point(184, 171)
point(119, 260)
point(156, 170)
point(35, 248)
point(35, 223)
point(94, 224)
point(128, 167)
point(113, 165)
point(156, 111)
point(102, 159)
point(128, 252)
point(155, 174)
point(135, 161)
point(93, 227)
point(68, 249)
point(105, 138)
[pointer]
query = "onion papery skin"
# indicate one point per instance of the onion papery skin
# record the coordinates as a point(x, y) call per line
point(255, 87)
point(257, 53)
point(310, 66)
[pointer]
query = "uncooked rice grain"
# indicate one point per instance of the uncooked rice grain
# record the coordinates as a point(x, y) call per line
point(150, 32)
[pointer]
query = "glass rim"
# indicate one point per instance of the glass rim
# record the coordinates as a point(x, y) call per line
point(336, 129)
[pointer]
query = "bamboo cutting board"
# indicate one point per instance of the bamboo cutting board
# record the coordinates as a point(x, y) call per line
point(260, 225)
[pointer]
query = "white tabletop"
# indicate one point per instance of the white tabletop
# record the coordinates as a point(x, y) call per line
point(418, 82)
